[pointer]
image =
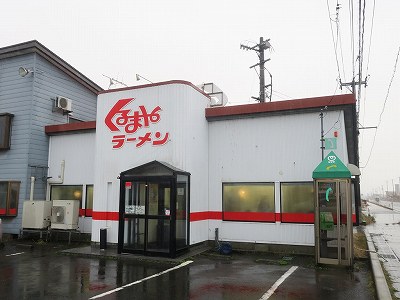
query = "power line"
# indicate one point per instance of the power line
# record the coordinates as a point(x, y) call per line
point(384, 106)
point(339, 37)
point(370, 36)
point(351, 9)
point(333, 39)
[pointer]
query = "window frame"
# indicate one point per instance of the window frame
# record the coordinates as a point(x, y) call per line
point(68, 185)
point(10, 211)
point(242, 216)
point(5, 144)
point(88, 211)
point(297, 217)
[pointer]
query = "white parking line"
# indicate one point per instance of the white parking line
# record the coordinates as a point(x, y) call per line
point(19, 253)
point(142, 280)
point(271, 291)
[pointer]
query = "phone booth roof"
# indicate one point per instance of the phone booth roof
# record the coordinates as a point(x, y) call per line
point(331, 167)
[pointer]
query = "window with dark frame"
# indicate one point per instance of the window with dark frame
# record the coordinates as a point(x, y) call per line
point(9, 198)
point(67, 192)
point(297, 202)
point(5, 131)
point(89, 201)
point(253, 202)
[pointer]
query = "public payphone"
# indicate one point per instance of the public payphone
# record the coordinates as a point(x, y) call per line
point(333, 212)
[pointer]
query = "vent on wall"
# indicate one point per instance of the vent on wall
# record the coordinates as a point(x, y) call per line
point(64, 103)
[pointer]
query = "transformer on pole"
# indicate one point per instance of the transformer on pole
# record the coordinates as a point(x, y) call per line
point(259, 48)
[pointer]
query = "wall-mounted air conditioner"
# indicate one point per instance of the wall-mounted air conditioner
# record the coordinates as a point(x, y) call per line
point(36, 214)
point(65, 214)
point(64, 103)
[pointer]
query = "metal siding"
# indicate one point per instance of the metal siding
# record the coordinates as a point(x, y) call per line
point(268, 149)
point(77, 150)
point(182, 116)
point(29, 99)
point(15, 96)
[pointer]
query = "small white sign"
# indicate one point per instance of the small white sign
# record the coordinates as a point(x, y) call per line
point(135, 209)
point(180, 191)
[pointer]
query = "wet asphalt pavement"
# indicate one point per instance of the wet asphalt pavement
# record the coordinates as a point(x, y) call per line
point(44, 273)
point(385, 233)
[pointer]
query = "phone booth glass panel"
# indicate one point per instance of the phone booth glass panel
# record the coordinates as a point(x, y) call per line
point(333, 212)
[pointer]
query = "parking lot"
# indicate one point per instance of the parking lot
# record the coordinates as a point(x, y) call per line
point(41, 272)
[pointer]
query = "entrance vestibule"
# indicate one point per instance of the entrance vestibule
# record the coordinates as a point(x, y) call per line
point(154, 210)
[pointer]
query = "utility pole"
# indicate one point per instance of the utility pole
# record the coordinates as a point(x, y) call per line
point(260, 48)
point(321, 115)
point(353, 85)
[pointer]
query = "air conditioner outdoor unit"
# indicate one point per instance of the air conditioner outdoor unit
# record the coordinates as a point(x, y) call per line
point(64, 103)
point(65, 214)
point(36, 214)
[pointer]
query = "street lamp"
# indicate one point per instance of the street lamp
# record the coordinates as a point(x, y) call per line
point(24, 71)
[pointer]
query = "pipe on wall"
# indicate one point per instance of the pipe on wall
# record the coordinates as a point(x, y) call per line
point(32, 188)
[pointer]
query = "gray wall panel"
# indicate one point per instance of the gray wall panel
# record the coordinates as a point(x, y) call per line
point(31, 100)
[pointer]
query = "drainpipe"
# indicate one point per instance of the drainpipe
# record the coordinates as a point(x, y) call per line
point(32, 188)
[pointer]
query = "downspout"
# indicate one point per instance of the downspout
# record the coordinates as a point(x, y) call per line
point(32, 188)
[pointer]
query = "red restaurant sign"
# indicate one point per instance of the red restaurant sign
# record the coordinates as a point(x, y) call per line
point(125, 124)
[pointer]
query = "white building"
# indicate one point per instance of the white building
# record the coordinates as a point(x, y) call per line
point(162, 170)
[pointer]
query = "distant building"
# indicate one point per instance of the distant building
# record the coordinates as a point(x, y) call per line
point(32, 79)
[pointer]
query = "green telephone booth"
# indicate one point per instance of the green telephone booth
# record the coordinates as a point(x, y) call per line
point(333, 212)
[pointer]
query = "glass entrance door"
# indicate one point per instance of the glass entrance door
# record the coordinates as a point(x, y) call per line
point(147, 216)
point(333, 222)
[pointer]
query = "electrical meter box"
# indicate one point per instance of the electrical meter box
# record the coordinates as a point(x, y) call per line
point(326, 221)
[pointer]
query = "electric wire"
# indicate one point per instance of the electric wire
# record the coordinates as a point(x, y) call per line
point(361, 26)
point(351, 10)
point(339, 38)
point(325, 114)
point(383, 108)
point(368, 56)
point(370, 36)
point(333, 39)
point(277, 93)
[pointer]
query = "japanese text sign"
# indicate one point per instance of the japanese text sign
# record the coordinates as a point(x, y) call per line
point(132, 125)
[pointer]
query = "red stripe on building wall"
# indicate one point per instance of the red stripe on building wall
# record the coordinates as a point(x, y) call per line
point(12, 211)
point(2, 211)
point(205, 215)
point(277, 217)
point(218, 215)
point(249, 216)
point(85, 212)
point(297, 218)
point(105, 215)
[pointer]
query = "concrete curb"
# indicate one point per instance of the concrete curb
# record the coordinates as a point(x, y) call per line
point(382, 288)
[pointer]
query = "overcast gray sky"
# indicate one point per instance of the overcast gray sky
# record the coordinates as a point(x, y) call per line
point(198, 41)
